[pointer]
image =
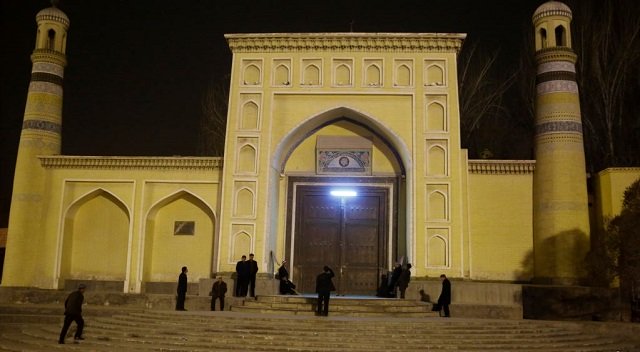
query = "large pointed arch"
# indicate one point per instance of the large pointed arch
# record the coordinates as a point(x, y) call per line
point(148, 231)
point(308, 127)
point(65, 233)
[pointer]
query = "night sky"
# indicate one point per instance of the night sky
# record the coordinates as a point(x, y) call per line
point(137, 69)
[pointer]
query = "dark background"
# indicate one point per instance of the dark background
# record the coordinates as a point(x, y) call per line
point(137, 69)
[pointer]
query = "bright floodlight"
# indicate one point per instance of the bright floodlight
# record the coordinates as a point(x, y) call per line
point(343, 193)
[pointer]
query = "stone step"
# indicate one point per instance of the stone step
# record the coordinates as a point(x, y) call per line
point(109, 329)
point(200, 340)
point(339, 306)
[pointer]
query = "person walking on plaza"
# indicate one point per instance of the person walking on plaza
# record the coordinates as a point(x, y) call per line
point(324, 286)
point(403, 281)
point(445, 295)
point(218, 290)
point(73, 312)
point(253, 271)
point(182, 289)
point(242, 277)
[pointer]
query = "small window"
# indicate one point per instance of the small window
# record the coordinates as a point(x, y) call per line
point(51, 39)
point(561, 39)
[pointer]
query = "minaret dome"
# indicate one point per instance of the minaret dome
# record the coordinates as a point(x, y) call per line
point(552, 22)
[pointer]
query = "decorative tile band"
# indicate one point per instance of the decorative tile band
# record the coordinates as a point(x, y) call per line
point(501, 167)
point(555, 76)
point(45, 87)
point(556, 66)
point(48, 67)
point(42, 125)
point(46, 77)
point(557, 86)
point(559, 126)
point(108, 162)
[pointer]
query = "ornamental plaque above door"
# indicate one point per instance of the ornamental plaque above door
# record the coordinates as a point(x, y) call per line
point(343, 155)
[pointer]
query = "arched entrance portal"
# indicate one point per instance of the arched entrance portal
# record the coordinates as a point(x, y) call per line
point(358, 237)
point(355, 233)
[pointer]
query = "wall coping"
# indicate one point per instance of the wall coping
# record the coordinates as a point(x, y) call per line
point(130, 162)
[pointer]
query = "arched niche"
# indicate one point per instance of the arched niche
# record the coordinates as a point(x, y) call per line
point(403, 75)
point(561, 36)
point(437, 252)
point(250, 116)
point(436, 119)
point(242, 244)
point(343, 75)
point(244, 203)
point(282, 75)
point(251, 75)
point(95, 240)
point(542, 34)
point(311, 75)
point(436, 161)
point(246, 159)
point(373, 75)
point(435, 75)
point(166, 250)
point(437, 206)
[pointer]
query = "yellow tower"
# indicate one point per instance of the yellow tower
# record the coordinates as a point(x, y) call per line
point(560, 209)
point(40, 135)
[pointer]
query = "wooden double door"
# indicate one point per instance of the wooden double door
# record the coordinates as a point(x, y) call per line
point(348, 234)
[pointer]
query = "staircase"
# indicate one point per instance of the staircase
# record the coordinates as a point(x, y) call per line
point(338, 306)
point(235, 331)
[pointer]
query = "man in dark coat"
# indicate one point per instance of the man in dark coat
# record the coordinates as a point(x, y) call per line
point(242, 277)
point(403, 281)
point(445, 296)
point(395, 276)
point(218, 290)
point(324, 286)
point(182, 289)
point(253, 271)
point(73, 312)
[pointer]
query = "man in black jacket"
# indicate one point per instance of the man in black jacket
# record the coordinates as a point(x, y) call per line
point(253, 271)
point(324, 286)
point(242, 277)
point(218, 290)
point(445, 296)
point(73, 312)
point(182, 289)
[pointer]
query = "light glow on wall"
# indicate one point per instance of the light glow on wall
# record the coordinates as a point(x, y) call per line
point(343, 193)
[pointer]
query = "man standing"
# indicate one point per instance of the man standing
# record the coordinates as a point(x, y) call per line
point(182, 289)
point(73, 312)
point(403, 281)
point(218, 290)
point(324, 286)
point(253, 271)
point(445, 295)
point(395, 276)
point(242, 277)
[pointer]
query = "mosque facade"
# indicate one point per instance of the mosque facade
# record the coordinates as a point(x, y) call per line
point(342, 149)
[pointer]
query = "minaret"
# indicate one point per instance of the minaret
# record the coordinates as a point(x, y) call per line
point(41, 129)
point(560, 206)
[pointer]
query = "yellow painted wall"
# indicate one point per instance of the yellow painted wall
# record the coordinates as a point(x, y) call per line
point(501, 233)
point(610, 185)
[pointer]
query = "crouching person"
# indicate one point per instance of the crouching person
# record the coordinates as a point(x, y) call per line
point(218, 290)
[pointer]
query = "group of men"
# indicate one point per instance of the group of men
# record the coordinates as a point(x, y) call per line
point(246, 271)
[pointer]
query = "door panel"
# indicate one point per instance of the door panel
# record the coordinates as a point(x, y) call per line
point(347, 234)
point(319, 240)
